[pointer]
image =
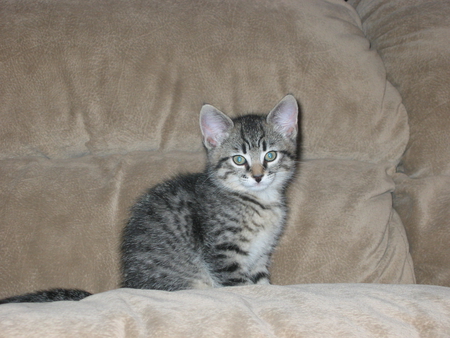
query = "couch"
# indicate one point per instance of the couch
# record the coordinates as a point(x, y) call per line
point(99, 100)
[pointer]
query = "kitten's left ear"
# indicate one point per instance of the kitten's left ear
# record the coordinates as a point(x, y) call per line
point(285, 116)
point(215, 126)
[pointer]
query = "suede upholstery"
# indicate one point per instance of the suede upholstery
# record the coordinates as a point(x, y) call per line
point(100, 100)
point(416, 57)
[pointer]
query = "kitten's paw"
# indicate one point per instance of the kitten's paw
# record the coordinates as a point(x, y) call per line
point(200, 284)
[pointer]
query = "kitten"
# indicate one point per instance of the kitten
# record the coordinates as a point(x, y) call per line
point(219, 227)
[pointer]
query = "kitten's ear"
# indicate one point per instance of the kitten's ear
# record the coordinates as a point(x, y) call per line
point(215, 126)
point(285, 116)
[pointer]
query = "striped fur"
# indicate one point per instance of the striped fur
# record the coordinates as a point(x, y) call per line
point(220, 227)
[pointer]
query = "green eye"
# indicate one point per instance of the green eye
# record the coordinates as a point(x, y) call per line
point(239, 160)
point(270, 156)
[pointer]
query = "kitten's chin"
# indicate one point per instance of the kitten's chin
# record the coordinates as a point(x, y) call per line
point(257, 186)
point(269, 185)
point(253, 186)
point(247, 187)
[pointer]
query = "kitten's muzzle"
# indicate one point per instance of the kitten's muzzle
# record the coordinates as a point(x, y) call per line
point(258, 178)
point(257, 172)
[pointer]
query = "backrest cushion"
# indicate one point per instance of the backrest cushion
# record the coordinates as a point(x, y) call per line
point(412, 38)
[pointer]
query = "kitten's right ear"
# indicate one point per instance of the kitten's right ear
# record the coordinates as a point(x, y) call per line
point(215, 126)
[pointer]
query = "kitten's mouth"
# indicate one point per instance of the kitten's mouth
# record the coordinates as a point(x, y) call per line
point(258, 184)
point(259, 187)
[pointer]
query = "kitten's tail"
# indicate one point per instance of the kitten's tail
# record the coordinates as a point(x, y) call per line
point(51, 295)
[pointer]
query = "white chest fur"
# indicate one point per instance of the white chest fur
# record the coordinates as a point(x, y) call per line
point(266, 228)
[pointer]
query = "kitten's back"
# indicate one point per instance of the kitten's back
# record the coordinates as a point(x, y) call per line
point(162, 241)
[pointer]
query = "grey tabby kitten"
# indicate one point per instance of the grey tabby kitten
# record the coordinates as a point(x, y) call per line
point(215, 228)
point(219, 227)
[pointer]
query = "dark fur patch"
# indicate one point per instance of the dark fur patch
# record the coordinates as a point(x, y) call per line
point(51, 295)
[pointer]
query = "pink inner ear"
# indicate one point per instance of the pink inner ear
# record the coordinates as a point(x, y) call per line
point(214, 125)
point(284, 116)
point(212, 129)
point(287, 120)
point(211, 141)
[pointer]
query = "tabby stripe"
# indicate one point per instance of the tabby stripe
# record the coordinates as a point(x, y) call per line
point(288, 154)
point(263, 134)
point(249, 199)
point(219, 256)
point(288, 168)
point(260, 275)
point(249, 228)
point(244, 148)
point(234, 230)
point(243, 137)
point(220, 162)
point(258, 225)
point(232, 220)
point(225, 176)
point(231, 247)
point(234, 281)
point(244, 239)
point(220, 231)
point(253, 208)
point(229, 268)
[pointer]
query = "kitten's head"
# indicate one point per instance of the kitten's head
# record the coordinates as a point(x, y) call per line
point(251, 153)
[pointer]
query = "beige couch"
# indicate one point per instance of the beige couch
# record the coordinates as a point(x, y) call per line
point(99, 99)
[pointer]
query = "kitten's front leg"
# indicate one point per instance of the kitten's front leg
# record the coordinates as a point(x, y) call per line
point(260, 276)
point(241, 276)
point(259, 272)
point(236, 278)
point(230, 270)
point(263, 281)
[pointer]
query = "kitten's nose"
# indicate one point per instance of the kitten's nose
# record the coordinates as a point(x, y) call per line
point(257, 172)
point(258, 178)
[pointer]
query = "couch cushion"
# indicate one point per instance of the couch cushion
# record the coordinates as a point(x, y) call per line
point(376, 248)
point(96, 78)
point(307, 311)
point(97, 97)
point(412, 38)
